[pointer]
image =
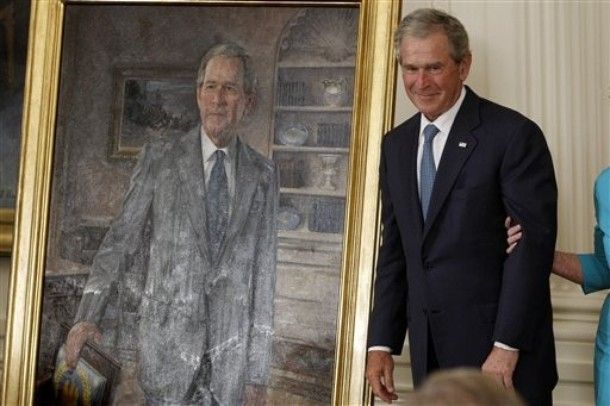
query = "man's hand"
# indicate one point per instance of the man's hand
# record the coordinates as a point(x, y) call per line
point(77, 337)
point(256, 395)
point(500, 365)
point(379, 370)
point(513, 234)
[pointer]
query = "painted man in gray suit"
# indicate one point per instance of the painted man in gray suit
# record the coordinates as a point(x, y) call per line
point(206, 311)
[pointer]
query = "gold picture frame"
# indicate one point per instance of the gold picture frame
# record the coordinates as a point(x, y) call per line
point(7, 218)
point(371, 117)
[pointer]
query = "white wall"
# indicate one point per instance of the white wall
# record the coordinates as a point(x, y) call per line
point(551, 61)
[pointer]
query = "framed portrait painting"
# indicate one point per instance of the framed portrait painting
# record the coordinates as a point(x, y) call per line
point(121, 222)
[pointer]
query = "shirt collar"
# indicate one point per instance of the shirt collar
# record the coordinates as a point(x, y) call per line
point(208, 147)
point(445, 120)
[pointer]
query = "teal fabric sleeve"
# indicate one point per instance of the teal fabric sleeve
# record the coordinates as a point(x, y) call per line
point(596, 266)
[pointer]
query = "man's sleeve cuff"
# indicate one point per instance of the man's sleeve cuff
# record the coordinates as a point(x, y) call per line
point(380, 348)
point(503, 346)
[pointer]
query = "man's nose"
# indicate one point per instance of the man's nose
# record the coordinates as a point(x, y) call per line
point(219, 96)
point(422, 78)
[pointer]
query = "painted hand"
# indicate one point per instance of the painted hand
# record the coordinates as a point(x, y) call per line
point(379, 371)
point(77, 337)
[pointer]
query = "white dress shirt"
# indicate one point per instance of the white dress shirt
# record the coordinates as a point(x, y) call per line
point(444, 122)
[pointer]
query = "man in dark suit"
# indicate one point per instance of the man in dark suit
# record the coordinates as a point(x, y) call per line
point(209, 202)
point(449, 176)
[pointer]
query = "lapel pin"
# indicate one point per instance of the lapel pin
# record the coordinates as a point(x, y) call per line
point(462, 145)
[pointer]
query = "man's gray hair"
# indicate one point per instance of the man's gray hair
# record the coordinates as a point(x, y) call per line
point(425, 21)
point(230, 50)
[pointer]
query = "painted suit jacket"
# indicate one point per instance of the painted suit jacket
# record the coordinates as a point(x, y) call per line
point(198, 317)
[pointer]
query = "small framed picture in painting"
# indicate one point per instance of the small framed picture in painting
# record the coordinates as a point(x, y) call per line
point(91, 382)
point(149, 102)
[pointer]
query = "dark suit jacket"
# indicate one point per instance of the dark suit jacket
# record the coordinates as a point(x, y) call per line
point(197, 316)
point(450, 276)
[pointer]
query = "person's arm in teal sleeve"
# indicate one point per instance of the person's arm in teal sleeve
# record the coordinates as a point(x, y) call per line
point(595, 270)
point(584, 269)
point(596, 266)
point(602, 213)
point(591, 271)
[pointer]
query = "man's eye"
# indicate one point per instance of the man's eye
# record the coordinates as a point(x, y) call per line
point(230, 88)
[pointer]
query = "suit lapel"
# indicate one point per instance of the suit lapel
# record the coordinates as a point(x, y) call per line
point(409, 153)
point(190, 171)
point(459, 146)
point(247, 176)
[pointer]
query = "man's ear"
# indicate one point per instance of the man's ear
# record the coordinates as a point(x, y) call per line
point(198, 96)
point(465, 66)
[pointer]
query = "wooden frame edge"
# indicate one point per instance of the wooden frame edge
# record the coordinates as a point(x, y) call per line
point(27, 263)
point(373, 117)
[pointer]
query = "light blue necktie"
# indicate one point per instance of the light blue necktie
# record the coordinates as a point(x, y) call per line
point(427, 168)
point(217, 203)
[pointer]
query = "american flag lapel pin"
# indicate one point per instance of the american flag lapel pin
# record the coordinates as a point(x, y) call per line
point(462, 145)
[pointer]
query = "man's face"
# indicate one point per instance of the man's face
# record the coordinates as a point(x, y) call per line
point(222, 99)
point(433, 80)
